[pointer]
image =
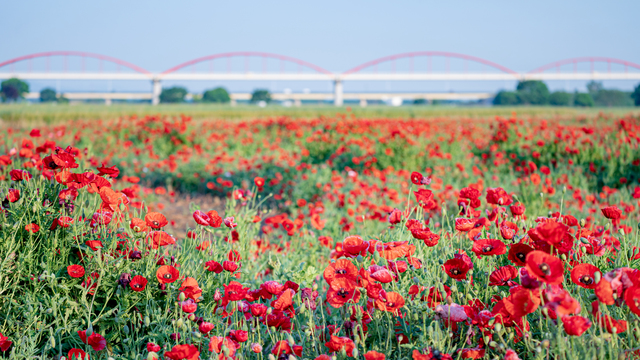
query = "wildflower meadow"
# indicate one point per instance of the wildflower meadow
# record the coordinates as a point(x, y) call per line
point(328, 238)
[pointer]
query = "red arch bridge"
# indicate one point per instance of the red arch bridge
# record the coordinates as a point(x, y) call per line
point(238, 66)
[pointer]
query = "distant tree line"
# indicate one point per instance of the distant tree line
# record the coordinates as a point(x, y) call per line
point(535, 92)
point(219, 95)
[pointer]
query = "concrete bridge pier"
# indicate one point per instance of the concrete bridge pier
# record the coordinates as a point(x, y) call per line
point(338, 98)
point(155, 92)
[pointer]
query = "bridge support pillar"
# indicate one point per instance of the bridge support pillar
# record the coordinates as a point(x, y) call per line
point(337, 93)
point(155, 92)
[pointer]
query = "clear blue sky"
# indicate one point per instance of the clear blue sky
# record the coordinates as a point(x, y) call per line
point(336, 35)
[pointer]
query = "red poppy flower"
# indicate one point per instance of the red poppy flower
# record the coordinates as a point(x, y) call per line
point(419, 179)
point(167, 274)
point(464, 224)
point(518, 253)
point(433, 354)
point(234, 291)
point(77, 354)
point(138, 283)
point(354, 245)
point(201, 218)
point(503, 276)
point(396, 249)
point(612, 325)
point(392, 303)
point(498, 196)
point(216, 220)
point(517, 209)
point(159, 238)
point(373, 355)
point(155, 220)
point(138, 225)
point(551, 232)
point(341, 269)
point(338, 343)
point(258, 181)
point(13, 195)
point(75, 271)
point(583, 275)
point(575, 325)
point(229, 222)
point(5, 343)
point(456, 269)
point(521, 302)
point(191, 289)
point(611, 212)
point(341, 292)
point(544, 267)
point(95, 340)
point(213, 266)
point(632, 298)
point(282, 347)
point(34, 228)
point(183, 352)
point(489, 247)
point(472, 353)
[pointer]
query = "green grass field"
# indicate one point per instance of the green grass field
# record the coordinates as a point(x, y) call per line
point(53, 113)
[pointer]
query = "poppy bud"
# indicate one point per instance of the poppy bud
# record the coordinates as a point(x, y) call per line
point(271, 357)
point(584, 241)
point(621, 231)
point(597, 276)
point(180, 323)
point(314, 286)
point(152, 356)
point(493, 344)
point(147, 320)
point(192, 317)
point(498, 327)
point(355, 351)
point(563, 257)
point(545, 343)
point(52, 341)
point(182, 296)
point(89, 329)
point(125, 329)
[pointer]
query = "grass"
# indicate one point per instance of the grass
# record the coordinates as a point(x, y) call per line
point(56, 113)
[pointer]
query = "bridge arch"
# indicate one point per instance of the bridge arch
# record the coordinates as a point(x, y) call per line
point(75, 54)
point(588, 59)
point(429, 54)
point(247, 54)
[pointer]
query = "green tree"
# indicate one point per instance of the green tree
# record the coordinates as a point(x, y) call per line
point(13, 89)
point(174, 94)
point(610, 97)
point(593, 87)
point(505, 98)
point(560, 98)
point(48, 95)
point(636, 95)
point(419, 101)
point(260, 95)
point(217, 95)
point(532, 92)
point(582, 99)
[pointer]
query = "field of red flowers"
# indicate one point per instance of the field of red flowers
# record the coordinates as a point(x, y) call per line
point(332, 238)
